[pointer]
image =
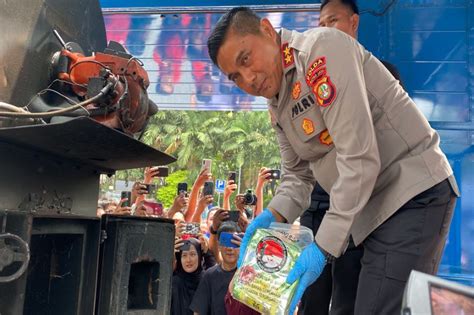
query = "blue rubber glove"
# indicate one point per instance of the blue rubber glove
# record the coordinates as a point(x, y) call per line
point(262, 221)
point(308, 268)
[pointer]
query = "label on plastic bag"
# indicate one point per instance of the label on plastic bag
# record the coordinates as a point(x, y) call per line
point(261, 281)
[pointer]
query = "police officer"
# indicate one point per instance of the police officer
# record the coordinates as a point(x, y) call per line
point(336, 287)
point(341, 118)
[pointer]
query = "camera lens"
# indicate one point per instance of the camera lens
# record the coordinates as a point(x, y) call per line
point(249, 198)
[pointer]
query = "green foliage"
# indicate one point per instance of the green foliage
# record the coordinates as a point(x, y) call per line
point(167, 192)
point(233, 140)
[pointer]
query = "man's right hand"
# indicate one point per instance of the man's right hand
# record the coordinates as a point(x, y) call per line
point(263, 221)
point(230, 188)
point(203, 176)
point(220, 216)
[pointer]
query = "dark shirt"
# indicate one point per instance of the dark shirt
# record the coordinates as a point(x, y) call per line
point(210, 294)
point(209, 260)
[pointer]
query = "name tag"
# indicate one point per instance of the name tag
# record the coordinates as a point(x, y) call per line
point(302, 106)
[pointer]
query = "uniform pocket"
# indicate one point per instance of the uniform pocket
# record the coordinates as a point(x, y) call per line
point(399, 265)
point(309, 125)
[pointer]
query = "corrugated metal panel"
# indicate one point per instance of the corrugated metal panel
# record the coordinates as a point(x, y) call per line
point(431, 42)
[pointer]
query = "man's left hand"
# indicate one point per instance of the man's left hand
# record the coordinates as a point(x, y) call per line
point(308, 268)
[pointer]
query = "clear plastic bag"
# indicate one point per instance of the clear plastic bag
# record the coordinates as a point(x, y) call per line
point(260, 283)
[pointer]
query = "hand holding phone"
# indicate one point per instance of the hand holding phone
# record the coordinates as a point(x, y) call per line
point(206, 164)
point(163, 171)
point(274, 174)
point(208, 189)
point(182, 188)
point(232, 176)
point(191, 229)
point(126, 195)
point(225, 240)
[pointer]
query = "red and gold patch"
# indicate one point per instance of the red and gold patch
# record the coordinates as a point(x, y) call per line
point(295, 93)
point(287, 55)
point(308, 126)
point(316, 70)
point(325, 91)
point(325, 137)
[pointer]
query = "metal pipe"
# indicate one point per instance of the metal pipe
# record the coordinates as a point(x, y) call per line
point(212, 9)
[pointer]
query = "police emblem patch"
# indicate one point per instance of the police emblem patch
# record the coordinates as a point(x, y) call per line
point(325, 91)
point(316, 70)
point(325, 137)
point(271, 254)
point(308, 126)
point(295, 93)
point(287, 55)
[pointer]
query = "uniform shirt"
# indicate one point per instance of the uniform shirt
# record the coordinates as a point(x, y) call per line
point(342, 119)
point(318, 194)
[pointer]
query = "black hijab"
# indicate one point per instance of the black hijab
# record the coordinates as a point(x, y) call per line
point(184, 283)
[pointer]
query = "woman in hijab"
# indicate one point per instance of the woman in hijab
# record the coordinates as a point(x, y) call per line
point(187, 275)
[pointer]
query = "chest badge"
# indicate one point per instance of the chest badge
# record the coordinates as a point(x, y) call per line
point(325, 91)
point(308, 126)
point(295, 93)
point(325, 137)
point(287, 55)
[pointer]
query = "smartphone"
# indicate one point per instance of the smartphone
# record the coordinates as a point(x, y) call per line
point(150, 188)
point(234, 215)
point(182, 187)
point(191, 229)
point(207, 163)
point(163, 171)
point(225, 240)
point(208, 189)
point(232, 176)
point(155, 208)
point(128, 195)
point(274, 174)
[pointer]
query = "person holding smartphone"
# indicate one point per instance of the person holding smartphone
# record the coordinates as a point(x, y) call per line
point(180, 204)
point(203, 176)
point(188, 262)
point(229, 189)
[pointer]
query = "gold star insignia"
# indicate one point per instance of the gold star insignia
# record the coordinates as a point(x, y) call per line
point(287, 51)
point(288, 59)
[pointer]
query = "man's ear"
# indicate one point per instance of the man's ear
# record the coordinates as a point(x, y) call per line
point(266, 28)
point(355, 22)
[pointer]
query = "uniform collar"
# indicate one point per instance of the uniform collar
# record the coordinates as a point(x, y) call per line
point(288, 62)
point(287, 50)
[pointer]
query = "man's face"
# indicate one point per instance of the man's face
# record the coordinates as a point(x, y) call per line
point(229, 255)
point(339, 16)
point(253, 62)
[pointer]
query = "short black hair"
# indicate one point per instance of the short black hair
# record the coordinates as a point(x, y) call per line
point(229, 227)
point(351, 4)
point(241, 19)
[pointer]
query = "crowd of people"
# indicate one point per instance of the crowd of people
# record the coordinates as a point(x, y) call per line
point(207, 238)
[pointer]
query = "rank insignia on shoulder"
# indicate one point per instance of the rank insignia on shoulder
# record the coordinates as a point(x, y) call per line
point(295, 93)
point(308, 126)
point(316, 70)
point(325, 137)
point(287, 55)
point(325, 91)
